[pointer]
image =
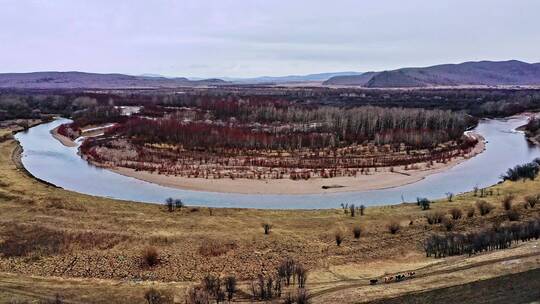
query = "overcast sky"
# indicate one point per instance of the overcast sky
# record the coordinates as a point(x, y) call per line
point(254, 37)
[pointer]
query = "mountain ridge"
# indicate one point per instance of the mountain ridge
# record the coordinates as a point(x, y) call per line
point(85, 80)
point(511, 72)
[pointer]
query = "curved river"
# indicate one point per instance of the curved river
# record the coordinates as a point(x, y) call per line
point(49, 160)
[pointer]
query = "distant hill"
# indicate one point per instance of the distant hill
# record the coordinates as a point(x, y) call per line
point(511, 72)
point(80, 80)
point(291, 78)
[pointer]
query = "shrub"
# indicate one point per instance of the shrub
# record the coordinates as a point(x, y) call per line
point(456, 213)
point(153, 296)
point(507, 202)
point(532, 200)
point(169, 203)
point(394, 227)
point(301, 275)
point(230, 287)
point(286, 270)
point(484, 207)
point(448, 224)
point(150, 256)
point(525, 171)
point(212, 286)
point(424, 203)
point(267, 227)
point(265, 288)
point(513, 214)
point(178, 204)
point(197, 295)
point(338, 235)
point(470, 212)
point(357, 231)
point(434, 217)
point(302, 297)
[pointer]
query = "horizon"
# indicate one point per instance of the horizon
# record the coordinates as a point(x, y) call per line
point(150, 74)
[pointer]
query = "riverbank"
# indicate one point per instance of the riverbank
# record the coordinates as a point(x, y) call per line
point(64, 140)
point(384, 178)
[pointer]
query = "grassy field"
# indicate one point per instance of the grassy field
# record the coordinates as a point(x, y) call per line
point(90, 249)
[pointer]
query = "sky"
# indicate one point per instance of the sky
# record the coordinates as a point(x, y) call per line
point(247, 38)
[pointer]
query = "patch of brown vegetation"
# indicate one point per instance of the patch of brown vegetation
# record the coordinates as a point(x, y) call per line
point(215, 247)
point(20, 240)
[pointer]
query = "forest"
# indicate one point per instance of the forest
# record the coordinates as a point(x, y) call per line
point(276, 139)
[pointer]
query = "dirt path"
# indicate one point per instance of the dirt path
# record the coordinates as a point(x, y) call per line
point(451, 266)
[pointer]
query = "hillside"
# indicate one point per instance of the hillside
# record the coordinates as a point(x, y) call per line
point(511, 72)
point(73, 80)
point(291, 78)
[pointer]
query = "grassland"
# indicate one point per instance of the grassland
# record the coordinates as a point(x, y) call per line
point(89, 249)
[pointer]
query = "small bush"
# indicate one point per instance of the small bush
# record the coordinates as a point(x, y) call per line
point(393, 227)
point(338, 235)
point(178, 204)
point(448, 224)
point(153, 296)
point(456, 213)
point(484, 207)
point(357, 231)
point(434, 217)
point(301, 275)
point(532, 200)
point(507, 202)
point(150, 256)
point(302, 297)
point(513, 214)
point(424, 203)
point(470, 212)
point(169, 203)
point(352, 209)
point(267, 227)
point(197, 295)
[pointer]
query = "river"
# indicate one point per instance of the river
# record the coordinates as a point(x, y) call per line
point(49, 160)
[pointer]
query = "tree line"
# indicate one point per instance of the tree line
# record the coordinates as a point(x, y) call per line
point(497, 237)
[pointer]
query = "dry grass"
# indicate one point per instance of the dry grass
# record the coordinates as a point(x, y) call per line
point(80, 236)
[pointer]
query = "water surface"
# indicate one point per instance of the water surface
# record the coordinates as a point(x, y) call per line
point(49, 160)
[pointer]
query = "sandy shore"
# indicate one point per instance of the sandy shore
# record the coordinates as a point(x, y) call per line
point(382, 179)
point(66, 141)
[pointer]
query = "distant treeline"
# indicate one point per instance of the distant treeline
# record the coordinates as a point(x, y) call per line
point(477, 102)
